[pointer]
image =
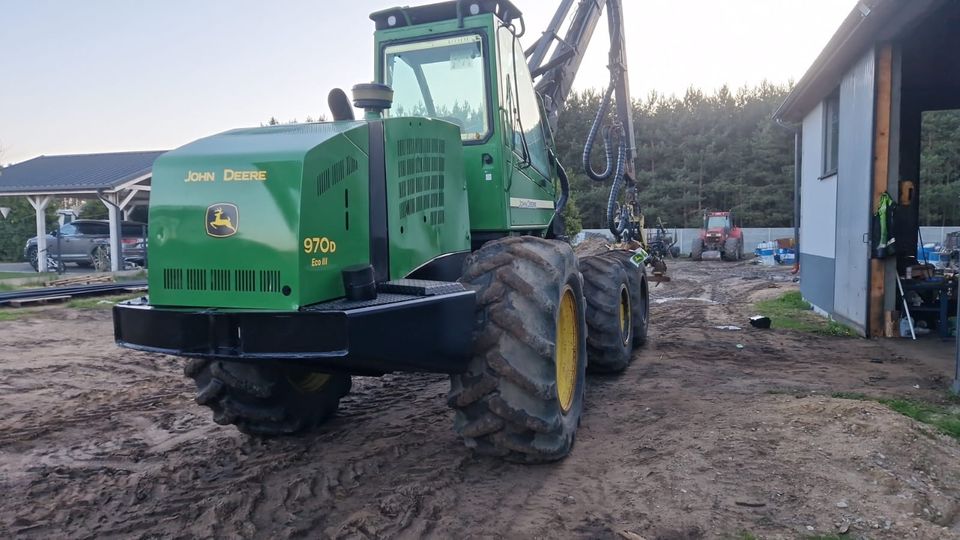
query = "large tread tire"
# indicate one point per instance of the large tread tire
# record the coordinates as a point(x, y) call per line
point(607, 291)
point(639, 295)
point(508, 402)
point(696, 250)
point(266, 401)
point(731, 249)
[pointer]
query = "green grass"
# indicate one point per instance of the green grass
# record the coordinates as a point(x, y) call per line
point(100, 302)
point(18, 275)
point(13, 314)
point(946, 418)
point(791, 312)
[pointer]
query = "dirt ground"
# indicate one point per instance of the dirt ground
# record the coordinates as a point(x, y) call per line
point(698, 439)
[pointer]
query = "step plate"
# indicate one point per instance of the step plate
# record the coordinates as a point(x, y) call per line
point(420, 287)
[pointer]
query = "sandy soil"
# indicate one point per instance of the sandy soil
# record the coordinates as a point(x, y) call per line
point(698, 439)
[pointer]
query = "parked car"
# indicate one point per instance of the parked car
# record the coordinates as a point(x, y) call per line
point(86, 242)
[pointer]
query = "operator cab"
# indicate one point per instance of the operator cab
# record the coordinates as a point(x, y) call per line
point(462, 62)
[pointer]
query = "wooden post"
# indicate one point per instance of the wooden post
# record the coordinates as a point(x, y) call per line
point(881, 172)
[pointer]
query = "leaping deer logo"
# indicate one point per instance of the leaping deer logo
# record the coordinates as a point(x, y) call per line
point(222, 220)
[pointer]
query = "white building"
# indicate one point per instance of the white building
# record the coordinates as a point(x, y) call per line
point(859, 109)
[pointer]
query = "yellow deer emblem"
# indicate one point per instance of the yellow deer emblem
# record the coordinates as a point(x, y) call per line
point(222, 220)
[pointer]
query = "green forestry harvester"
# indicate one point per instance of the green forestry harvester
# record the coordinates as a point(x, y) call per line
point(426, 236)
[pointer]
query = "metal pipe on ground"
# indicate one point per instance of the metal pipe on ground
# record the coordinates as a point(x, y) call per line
point(84, 290)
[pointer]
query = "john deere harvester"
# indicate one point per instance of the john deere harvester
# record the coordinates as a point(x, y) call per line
point(426, 236)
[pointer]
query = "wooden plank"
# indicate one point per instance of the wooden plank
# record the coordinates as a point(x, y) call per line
point(38, 300)
point(881, 174)
point(80, 280)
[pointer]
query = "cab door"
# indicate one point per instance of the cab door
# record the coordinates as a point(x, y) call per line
point(529, 182)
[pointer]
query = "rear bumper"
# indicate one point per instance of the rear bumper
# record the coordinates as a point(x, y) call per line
point(393, 333)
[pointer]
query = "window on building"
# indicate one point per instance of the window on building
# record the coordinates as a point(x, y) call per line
point(831, 133)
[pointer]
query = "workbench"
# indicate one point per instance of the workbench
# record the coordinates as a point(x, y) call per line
point(936, 295)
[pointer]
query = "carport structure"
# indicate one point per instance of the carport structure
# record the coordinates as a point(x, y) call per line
point(120, 180)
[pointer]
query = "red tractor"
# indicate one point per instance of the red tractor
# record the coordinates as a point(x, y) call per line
point(719, 239)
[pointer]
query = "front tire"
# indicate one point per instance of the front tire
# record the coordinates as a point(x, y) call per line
point(32, 258)
point(731, 249)
point(522, 395)
point(266, 400)
point(609, 314)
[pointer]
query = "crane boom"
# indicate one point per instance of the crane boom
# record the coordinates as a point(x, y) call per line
point(556, 75)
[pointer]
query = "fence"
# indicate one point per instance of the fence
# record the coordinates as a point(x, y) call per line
point(751, 236)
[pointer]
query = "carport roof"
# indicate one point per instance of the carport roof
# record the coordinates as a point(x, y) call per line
point(77, 173)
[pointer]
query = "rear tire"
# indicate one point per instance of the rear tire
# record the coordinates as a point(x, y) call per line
point(639, 295)
point(279, 399)
point(609, 314)
point(696, 250)
point(522, 395)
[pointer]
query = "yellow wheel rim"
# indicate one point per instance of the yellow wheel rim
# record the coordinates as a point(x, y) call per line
point(312, 382)
point(567, 350)
point(625, 322)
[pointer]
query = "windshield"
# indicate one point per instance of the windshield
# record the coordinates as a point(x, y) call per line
point(716, 222)
point(440, 78)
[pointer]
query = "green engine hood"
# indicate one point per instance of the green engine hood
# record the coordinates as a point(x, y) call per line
point(259, 218)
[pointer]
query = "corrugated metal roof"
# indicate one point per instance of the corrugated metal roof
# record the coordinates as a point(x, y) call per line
point(76, 173)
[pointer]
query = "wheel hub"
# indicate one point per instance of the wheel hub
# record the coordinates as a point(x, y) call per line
point(625, 322)
point(567, 349)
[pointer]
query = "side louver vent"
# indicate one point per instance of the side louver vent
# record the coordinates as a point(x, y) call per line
point(335, 174)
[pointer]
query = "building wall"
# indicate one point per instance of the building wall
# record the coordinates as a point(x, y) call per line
point(818, 213)
point(854, 191)
point(835, 211)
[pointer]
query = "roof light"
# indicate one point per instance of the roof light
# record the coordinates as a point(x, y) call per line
point(474, 9)
point(392, 20)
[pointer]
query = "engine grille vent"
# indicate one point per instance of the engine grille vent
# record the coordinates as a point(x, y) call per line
point(246, 280)
point(269, 281)
point(199, 279)
point(335, 174)
point(173, 279)
point(196, 279)
point(219, 280)
point(422, 177)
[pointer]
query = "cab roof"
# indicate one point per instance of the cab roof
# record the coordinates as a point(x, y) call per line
point(399, 17)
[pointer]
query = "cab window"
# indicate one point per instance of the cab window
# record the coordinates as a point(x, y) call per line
point(520, 99)
point(440, 78)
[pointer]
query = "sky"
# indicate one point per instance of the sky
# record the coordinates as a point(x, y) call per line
point(115, 75)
